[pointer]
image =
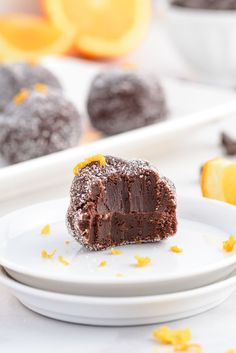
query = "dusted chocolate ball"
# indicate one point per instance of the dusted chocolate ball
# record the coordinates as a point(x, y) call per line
point(15, 76)
point(37, 123)
point(207, 4)
point(116, 202)
point(122, 100)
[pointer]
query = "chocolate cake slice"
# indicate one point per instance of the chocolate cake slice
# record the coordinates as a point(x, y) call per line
point(115, 202)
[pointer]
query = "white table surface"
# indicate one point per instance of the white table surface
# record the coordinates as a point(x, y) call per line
point(24, 331)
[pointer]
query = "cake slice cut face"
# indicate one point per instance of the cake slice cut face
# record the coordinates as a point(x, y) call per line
point(120, 202)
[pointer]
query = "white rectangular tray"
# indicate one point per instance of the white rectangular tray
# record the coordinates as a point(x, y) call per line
point(191, 105)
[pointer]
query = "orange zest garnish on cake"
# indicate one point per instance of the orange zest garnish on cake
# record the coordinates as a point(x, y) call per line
point(115, 251)
point(97, 158)
point(63, 261)
point(41, 87)
point(21, 96)
point(46, 255)
point(103, 263)
point(229, 244)
point(176, 249)
point(46, 230)
point(142, 261)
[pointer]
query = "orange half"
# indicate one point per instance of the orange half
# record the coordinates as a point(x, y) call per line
point(104, 28)
point(25, 37)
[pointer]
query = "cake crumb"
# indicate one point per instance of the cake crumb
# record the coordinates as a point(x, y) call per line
point(41, 87)
point(67, 242)
point(21, 96)
point(46, 255)
point(103, 263)
point(176, 249)
point(97, 158)
point(229, 244)
point(115, 251)
point(142, 261)
point(46, 230)
point(63, 261)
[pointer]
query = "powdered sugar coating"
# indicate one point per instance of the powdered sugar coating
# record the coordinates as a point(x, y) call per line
point(44, 123)
point(93, 176)
point(15, 76)
point(207, 4)
point(121, 100)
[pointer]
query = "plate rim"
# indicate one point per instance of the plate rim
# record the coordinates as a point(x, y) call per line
point(9, 282)
point(99, 280)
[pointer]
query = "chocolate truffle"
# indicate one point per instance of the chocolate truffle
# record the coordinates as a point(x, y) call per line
point(121, 100)
point(37, 123)
point(207, 4)
point(15, 76)
point(115, 202)
point(229, 144)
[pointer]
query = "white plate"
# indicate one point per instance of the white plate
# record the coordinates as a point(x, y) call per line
point(121, 311)
point(191, 105)
point(203, 225)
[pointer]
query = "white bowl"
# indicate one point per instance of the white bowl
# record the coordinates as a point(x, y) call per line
point(206, 38)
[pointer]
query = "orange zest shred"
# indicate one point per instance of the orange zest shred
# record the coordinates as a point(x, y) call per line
point(120, 275)
point(46, 230)
point(229, 244)
point(155, 350)
point(47, 255)
point(142, 261)
point(21, 96)
point(67, 242)
point(41, 87)
point(97, 158)
point(179, 339)
point(175, 337)
point(192, 347)
point(33, 61)
point(103, 263)
point(63, 261)
point(128, 65)
point(115, 251)
point(176, 249)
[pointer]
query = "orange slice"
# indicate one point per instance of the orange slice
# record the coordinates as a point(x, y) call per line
point(105, 28)
point(218, 180)
point(25, 37)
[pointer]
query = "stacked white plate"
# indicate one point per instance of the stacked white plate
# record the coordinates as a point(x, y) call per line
point(173, 286)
